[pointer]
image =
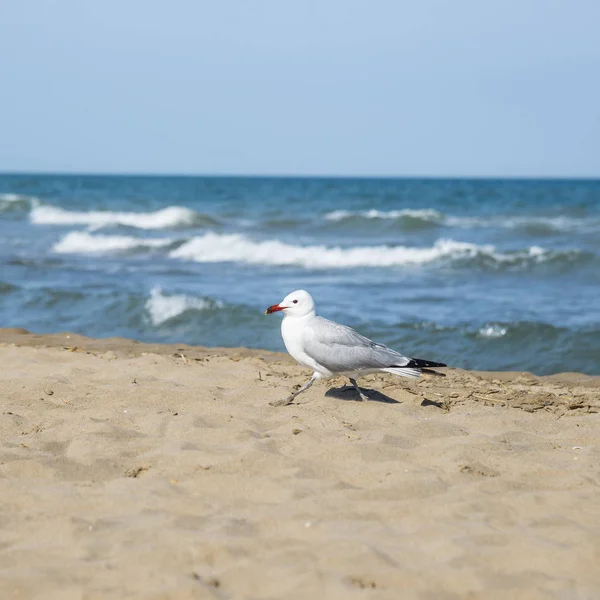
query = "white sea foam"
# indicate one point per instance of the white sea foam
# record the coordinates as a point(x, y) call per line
point(237, 248)
point(557, 223)
point(162, 307)
point(12, 197)
point(213, 247)
point(11, 202)
point(492, 331)
point(83, 242)
point(533, 254)
point(426, 214)
point(170, 217)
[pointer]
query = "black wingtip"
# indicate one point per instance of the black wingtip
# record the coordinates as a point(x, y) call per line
point(419, 363)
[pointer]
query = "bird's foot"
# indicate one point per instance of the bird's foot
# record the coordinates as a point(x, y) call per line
point(283, 401)
point(351, 388)
point(363, 397)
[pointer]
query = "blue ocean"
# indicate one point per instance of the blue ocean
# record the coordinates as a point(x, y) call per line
point(480, 274)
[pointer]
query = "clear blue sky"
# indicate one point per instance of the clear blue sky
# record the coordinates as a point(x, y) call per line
point(379, 87)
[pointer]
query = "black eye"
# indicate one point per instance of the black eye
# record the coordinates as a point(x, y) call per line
point(295, 301)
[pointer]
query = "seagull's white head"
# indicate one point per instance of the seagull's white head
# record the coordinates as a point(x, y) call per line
point(296, 304)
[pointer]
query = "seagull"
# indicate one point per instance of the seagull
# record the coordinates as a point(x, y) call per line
point(331, 349)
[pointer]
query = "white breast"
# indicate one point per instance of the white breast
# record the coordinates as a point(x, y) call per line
point(292, 332)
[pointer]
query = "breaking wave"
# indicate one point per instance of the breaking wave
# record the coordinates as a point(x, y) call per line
point(410, 218)
point(211, 248)
point(171, 217)
point(17, 203)
point(416, 213)
point(493, 330)
point(162, 307)
point(237, 248)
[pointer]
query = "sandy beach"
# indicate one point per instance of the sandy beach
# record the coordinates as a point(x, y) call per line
point(132, 470)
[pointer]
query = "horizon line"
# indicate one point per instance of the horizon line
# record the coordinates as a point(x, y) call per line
point(295, 176)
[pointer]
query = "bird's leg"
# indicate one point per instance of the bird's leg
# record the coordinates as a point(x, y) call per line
point(363, 397)
point(291, 397)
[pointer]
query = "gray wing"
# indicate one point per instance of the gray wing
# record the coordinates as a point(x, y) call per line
point(339, 348)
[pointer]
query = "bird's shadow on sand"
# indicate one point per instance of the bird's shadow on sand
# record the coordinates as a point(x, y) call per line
point(349, 393)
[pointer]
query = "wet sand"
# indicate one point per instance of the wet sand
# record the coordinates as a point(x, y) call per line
point(132, 470)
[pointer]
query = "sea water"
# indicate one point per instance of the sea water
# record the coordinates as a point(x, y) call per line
point(481, 274)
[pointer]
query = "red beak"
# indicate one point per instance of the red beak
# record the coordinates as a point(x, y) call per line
point(274, 308)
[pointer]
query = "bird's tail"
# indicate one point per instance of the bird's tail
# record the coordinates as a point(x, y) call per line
point(415, 367)
point(402, 371)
